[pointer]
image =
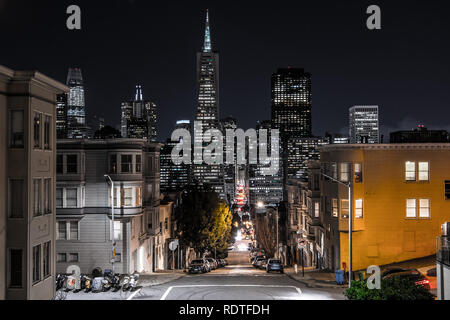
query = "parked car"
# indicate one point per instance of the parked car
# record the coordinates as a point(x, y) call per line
point(274, 265)
point(258, 262)
point(412, 274)
point(197, 266)
point(213, 263)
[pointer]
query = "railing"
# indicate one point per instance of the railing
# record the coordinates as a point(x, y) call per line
point(443, 250)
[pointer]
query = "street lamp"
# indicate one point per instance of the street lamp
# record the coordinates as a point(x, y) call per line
point(112, 221)
point(350, 223)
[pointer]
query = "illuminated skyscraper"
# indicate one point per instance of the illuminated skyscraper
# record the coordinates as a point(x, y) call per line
point(291, 102)
point(61, 116)
point(364, 125)
point(76, 108)
point(138, 118)
point(207, 111)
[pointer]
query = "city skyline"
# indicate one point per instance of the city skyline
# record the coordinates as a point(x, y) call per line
point(352, 67)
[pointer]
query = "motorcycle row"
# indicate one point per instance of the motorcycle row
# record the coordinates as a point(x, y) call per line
point(98, 282)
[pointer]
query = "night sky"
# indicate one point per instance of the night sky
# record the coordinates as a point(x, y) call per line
point(404, 68)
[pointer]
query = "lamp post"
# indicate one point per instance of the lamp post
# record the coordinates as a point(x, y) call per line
point(350, 218)
point(112, 222)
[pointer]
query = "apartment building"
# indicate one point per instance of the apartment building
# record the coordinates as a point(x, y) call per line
point(27, 184)
point(84, 204)
point(400, 198)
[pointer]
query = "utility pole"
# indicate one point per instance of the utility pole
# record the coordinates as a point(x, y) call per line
point(350, 218)
point(112, 223)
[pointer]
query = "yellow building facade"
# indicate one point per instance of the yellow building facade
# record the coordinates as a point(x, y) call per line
point(400, 198)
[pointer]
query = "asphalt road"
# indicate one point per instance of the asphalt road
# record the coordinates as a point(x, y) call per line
point(235, 282)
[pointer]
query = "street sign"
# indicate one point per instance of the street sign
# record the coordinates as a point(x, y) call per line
point(173, 245)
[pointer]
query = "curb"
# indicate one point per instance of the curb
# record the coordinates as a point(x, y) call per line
point(314, 285)
point(164, 282)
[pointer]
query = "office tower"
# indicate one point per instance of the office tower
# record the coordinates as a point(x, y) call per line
point(61, 116)
point(336, 138)
point(174, 177)
point(76, 108)
point(138, 119)
point(27, 180)
point(364, 124)
point(291, 102)
point(207, 112)
point(85, 239)
point(419, 135)
point(230, 170)
point(265, 188)
point(299, 151)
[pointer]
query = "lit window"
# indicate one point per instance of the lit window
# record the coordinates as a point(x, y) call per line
point(423, 171)
point(358, 172)
point(358, 208)
point(37, 129)
point(127, 197)
point(344, 172)
point(411, 208)
point(335, 207)
point(344, 209)
point(424, 209)
point(316, 209)
point(410, 171)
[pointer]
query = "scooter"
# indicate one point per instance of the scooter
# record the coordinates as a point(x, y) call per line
point(86, 283)
point(133, 281)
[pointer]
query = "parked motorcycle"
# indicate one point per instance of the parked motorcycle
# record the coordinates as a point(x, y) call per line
point(133, 281)
point(86, 283)
point(60, 281)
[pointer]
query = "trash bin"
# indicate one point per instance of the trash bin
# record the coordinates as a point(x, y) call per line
point(361, 275)
point(339, 276)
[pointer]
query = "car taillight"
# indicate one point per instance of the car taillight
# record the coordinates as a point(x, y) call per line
point(424, 283)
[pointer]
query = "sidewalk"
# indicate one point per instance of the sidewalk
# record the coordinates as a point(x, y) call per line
point(314, 278)
point(160, 277)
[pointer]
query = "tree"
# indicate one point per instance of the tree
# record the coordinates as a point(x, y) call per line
point(204, 221)
point(265, 236)
point(394, 288)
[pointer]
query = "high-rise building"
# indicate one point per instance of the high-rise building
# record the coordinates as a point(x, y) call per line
point(364, 124)
point(174, 177)
point(76, 107)
point(291, 102)
point(419, 135)
point(61, 116)
point(138, 119)
point(207, 112)
point(27, 183)
point(265, 188)
point(299, 151)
